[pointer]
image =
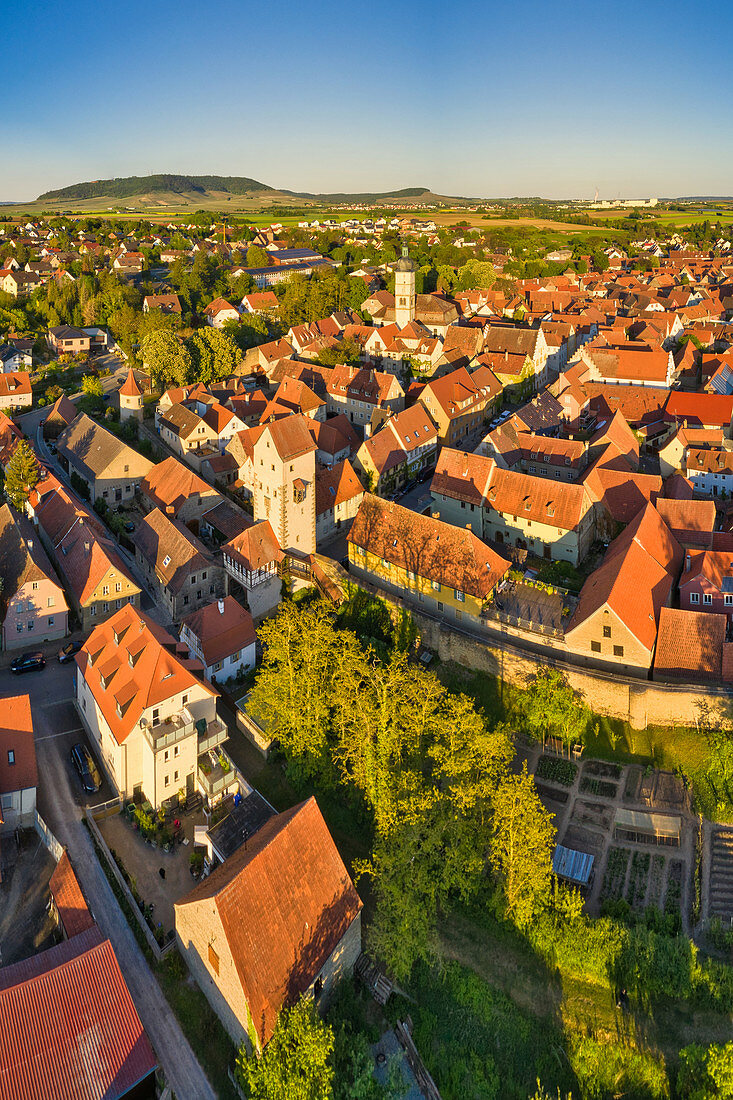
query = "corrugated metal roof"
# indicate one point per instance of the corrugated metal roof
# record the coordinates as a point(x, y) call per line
point(572, 865)
point(639, 821)
point(68, 1027)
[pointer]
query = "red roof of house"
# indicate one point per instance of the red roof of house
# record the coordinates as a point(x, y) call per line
point(689, 645)
point(285, 901)
point(221, 628)
point(16, 737)
point(700, 408)
point(68, 1027)
point(68, 898)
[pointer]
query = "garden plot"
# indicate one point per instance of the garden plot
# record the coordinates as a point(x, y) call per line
point(553, 800)
point(594, 814)
point(675, 878)
point(638, 880)
point(614, 876)
point(656, 880)
point(583, 840)
point(656, 790)
point(555, 770)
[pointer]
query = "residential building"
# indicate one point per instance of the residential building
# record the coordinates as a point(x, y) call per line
point(253, 560)
point(691, 646)
point(149, 714)
point(710, 470)
point(15, 391)
point(178, 492)
point(97, 581)
point(338, 496)
point(13, 358)
point(357, 391)
point(458, 405)
point(254, 942)
point(112, 470)
point(166, 303)
point(218, 312)
point(552, 520)
point(616, 618)
point(402, 450)
point(186, 432)
point(222, 636)
point(706, 583)
point(177, 564)
point(692, 522)
point(33, 604)
point(68, 340)
point(18, 768)
point(445, 568)
point(62, 413)
point(517, 356)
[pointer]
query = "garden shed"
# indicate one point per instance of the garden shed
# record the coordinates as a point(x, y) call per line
point(574, 866)
point(639, 827)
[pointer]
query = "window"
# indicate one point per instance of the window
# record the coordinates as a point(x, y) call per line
point(156, 715)
point(184, 700)
point(203, 576)
point(694, 597)
point(193, 578)
point(213, 960)
point(595, 647)
point(217, 666)
point(166, 561)
point(440, 606)
point(34, 586)
point(166, 754)
point(728, 600)
point(606, 632)
point(19, 627)
point(50, 602)
point(707, 598)
point(459, 595)
point(175, 750)
point(118, 587)
point(235, 657)
point(435, 585)
point(175, 777)
point(618, 651)
point(166, 780)
point(51, 620)
point(11, 756)
point(31, 624)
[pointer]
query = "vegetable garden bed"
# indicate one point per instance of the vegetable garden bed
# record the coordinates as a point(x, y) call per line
point(598, 787)
point(638, 877)
point(614, 877)
point(557, 771)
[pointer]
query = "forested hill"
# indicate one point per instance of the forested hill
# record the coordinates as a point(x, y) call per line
point(126, 187)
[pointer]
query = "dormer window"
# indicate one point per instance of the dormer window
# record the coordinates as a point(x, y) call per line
point(166, 561)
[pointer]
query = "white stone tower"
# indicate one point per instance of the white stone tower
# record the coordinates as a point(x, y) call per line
point(131, 399)
point(404, 290)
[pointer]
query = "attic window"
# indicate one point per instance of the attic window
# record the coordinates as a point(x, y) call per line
point(551, 509)
point(166, 561)
point(11, 756)
point(167, 676)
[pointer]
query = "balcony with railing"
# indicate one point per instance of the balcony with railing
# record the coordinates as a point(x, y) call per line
point(217, 776)
point(177, 727)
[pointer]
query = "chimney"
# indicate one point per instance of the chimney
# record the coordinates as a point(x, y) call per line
point(87, 546)
point(220, 605)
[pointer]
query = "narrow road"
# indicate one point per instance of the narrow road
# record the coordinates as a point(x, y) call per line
point(63, 815)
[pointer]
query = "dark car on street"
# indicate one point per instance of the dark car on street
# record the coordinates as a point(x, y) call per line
point(68, 651)
point(28, 662)
point(87, 769)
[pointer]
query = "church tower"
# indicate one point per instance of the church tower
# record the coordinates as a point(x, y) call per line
point(404, 290)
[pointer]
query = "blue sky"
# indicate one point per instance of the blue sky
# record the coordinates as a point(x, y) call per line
point(525, 98)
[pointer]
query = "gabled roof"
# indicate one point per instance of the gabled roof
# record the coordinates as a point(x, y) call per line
point(22, 557)
point(221, 628)
point(255, 548)
point(97, 453)
point(171, 549)
point(140, 665)
point(68, 898)
point(170, 484)
point(427, 547)
point(17, 743)
point(635, 578)
point(285, 901)
point(689, 645)
point(290, 436)
point(335, 485)
point(689, 519)
point(68, 1026)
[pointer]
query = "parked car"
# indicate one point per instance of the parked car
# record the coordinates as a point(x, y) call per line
point(28, 662)
point(68, 651)
point(129, 526)
point(88, 772)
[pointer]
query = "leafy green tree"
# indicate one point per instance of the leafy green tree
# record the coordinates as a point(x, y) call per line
point(91, 386)
point(297, 1063)
point(214, 354)
point(294, 691)
point(346, 351)
point(22, 474)
point(521, 848)
point(257, 257)
point(167, 359)
point(601, 261)
point(706, 1073)
point(552, 707)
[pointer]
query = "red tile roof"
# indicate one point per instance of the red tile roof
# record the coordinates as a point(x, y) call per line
point(285, 901)
point(170, 484)
point(335, 485)
point(255, 548)
point(689, 645)
point(690, 521)
point(69, 901)
point(140, 668)
point(130, 387)
point(16, 736)
point(709, 409)
point(68, 1027)
point(221, 628)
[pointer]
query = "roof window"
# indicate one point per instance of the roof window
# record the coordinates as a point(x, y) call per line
point(166, 561)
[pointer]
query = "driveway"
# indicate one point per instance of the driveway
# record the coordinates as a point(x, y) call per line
point(60, 803)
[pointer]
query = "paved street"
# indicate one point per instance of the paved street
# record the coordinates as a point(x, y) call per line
point(60, 803)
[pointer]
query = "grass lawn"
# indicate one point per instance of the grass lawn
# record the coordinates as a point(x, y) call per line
point(200, 1024)
point(495, 1017)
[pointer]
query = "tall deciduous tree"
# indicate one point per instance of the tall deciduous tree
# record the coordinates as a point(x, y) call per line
point(297, 1063)
point(167, 359)
point(521, 847)
point(552, 707)
point(22, 474)
point(706, 1073)
point(214, 353)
